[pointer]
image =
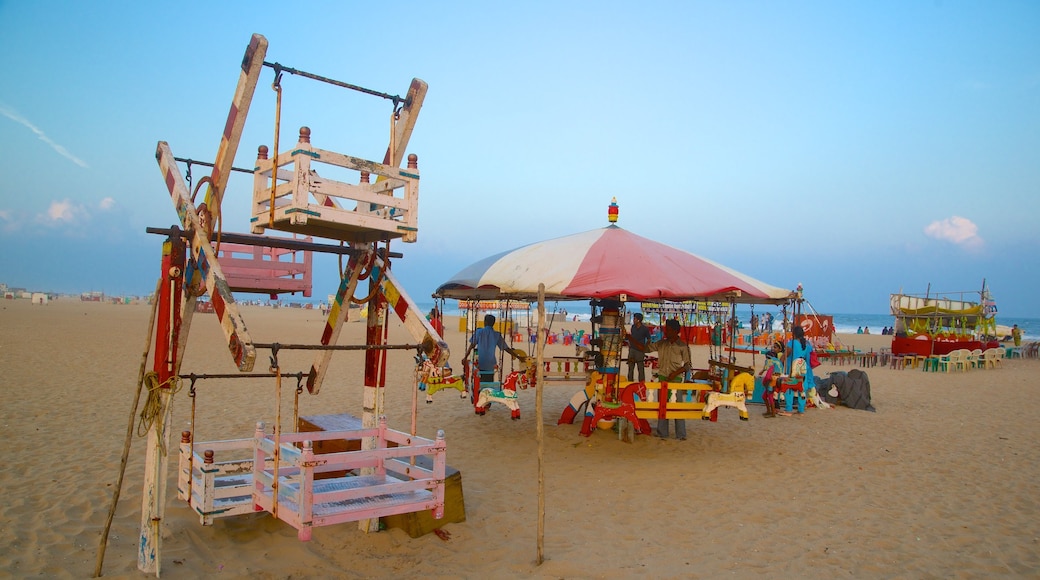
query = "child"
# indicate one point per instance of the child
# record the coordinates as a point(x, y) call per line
point(771, 371)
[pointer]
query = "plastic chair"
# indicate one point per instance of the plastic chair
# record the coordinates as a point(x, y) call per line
point(972, 359)
point(952, 361)
point(991, 357)
point(999, 361)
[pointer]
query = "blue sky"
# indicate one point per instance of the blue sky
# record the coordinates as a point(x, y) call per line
point(859, 148)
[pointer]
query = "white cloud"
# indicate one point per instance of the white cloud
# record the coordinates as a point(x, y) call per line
point(956, 230)
point(14, 116)
point(10, 221)
point(63, 211)
point(107, 203)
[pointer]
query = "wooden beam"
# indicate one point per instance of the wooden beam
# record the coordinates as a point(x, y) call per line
point(252, 63)
point(231, 322)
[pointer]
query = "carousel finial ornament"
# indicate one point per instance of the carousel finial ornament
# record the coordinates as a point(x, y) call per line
point(612, 210)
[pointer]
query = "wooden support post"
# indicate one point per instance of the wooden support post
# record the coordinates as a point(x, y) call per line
point(160, 395)
point(252, 63)
point(375, 380)
point(209, 476)
point(306, 492)
point(259, 459)
point(539, 388)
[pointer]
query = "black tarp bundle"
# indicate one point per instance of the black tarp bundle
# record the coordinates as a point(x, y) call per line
point(853, 389)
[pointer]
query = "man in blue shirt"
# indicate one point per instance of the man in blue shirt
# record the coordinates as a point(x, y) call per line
point(486, 340)
point(638, 338)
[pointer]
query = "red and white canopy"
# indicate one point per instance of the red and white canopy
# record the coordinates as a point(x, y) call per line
point(606, 263)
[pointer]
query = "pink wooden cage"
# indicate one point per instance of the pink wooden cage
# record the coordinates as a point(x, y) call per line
point(266, 270)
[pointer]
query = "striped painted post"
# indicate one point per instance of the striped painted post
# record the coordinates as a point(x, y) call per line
point(205, 259)
point(338, 310)
point(252, 63)
point(410, 314)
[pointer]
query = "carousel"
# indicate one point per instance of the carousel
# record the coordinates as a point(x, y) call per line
point(615, 270)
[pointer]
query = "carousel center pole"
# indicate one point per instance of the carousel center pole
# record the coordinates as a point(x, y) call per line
point(158, 408)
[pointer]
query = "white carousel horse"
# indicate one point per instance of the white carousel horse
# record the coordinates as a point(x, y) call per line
point(506, 395)
point(800, 369)
point(583, 399)
point(739, 388)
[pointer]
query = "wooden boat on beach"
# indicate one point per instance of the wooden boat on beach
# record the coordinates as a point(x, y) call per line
point(938, 323)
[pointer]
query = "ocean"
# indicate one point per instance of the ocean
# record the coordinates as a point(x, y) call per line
point(843, 323)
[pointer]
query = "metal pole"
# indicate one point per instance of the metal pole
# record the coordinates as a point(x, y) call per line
point(279, 69)
point(539, 389)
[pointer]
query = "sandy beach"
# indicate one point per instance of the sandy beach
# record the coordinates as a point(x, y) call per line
point(942, 481)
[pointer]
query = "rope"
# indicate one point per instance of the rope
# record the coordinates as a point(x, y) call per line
point(205, 179)
point(393, 131)
point(153, 407)
point(378, 281)
point(754, 330)
point(129, 436)
point(209, 218)
point(277, 86)
point(191, 456)
point(277, 431)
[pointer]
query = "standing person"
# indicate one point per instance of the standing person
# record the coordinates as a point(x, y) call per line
point(486, 340)
point(638, 338)
point(799, 349)
point(673, 362)
point(1016, 335)
point(435, 321)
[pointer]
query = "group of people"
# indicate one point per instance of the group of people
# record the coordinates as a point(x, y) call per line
point(673, 360)
point(790, 359)
point(793, 359)
point(885, 331)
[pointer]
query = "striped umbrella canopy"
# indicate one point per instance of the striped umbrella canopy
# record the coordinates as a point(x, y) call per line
point(606, 263)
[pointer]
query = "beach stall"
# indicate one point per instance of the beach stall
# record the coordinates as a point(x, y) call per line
point(935, 324)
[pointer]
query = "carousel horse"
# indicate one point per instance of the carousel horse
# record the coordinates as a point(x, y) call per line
point(433, 378)
point(582, 399)
point(792, 388)
point(506, 395)
point(739, 388)
point(625, 408)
